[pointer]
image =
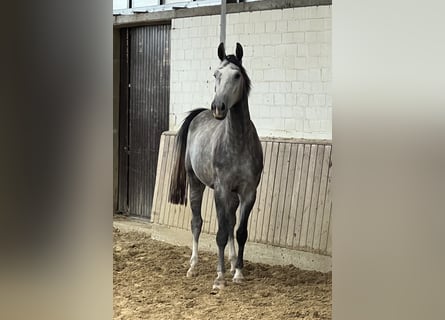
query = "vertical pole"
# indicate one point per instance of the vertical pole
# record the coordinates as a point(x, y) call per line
point(223, 21)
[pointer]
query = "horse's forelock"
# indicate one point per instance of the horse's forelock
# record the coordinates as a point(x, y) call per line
point(234, 60)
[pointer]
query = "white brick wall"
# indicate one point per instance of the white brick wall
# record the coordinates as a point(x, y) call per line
point(287, 54)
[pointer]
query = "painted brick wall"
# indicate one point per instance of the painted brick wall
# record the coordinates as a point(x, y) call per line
point(287, 54)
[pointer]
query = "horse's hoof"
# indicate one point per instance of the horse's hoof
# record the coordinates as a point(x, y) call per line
point(238, 277)
point(192, 273)
point(238, 280)
point(219, 284)
point(232, 272)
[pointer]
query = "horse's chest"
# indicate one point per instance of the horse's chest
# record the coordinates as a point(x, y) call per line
point(238, 167)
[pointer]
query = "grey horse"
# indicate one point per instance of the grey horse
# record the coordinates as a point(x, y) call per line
point(220, 148)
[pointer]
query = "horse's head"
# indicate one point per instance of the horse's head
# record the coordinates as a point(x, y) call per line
point(231, 82)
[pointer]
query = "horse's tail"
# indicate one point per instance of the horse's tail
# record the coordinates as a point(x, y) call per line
point(178, 181)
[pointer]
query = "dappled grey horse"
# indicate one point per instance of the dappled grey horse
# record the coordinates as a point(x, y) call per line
point(220, 148)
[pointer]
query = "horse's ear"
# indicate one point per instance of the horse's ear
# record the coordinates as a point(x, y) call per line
point(221, 51)
point(239, 52)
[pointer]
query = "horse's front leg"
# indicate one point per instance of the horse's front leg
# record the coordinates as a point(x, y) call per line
point(247, 202)
point(221, 241)
point(223, 204)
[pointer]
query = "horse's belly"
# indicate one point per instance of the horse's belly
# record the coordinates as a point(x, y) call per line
point(204, 174)
point(201, 164)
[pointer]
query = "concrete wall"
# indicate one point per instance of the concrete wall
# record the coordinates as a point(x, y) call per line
point(287, 53)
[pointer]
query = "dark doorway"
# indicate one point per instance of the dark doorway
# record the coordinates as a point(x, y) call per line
point(144, 113)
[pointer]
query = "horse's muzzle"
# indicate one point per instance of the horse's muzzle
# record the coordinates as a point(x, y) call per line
point(219, 111)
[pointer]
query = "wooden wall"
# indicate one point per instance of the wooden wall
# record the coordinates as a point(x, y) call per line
point(293, 206)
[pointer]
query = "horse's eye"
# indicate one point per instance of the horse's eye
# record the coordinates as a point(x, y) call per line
point(237, 75)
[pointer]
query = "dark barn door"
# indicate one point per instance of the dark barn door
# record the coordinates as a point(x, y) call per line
point(144, 114)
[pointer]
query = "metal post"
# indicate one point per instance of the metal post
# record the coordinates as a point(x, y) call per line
point(223, 21)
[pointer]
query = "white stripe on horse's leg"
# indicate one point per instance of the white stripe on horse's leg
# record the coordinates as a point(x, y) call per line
point(232, 254)
point(193, 260)
point(238, 277)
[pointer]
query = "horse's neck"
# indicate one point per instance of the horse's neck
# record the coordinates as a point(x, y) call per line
point(238, 122)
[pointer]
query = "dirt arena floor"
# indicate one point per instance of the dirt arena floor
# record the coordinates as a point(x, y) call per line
point(150, 283)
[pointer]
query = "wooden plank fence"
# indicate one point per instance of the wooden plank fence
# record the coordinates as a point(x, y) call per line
point(293, 206)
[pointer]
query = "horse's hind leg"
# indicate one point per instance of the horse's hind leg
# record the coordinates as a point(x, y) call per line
point(196, 191)
point(231, 241)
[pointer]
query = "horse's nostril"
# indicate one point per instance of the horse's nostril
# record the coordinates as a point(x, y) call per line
point(223, 107)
